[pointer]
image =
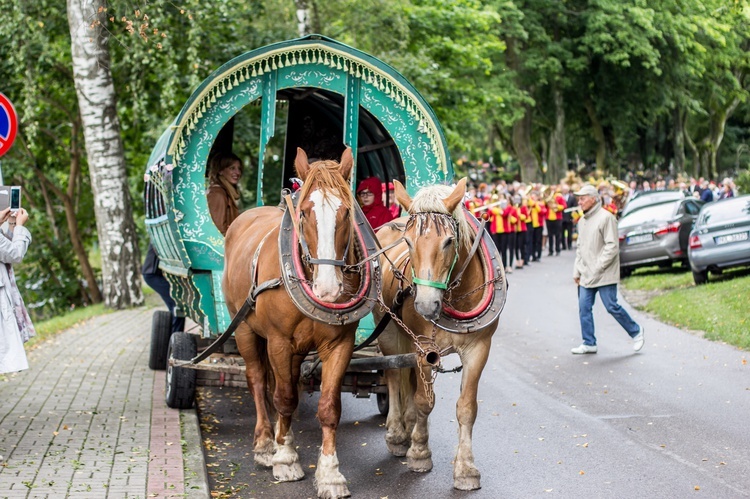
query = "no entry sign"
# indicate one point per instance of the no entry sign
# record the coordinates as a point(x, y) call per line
point(8, 124)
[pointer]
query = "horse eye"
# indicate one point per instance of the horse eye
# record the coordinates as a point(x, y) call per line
point(447, 243)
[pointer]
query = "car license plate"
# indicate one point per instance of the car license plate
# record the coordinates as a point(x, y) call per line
point(731, 238)
point(640, 238)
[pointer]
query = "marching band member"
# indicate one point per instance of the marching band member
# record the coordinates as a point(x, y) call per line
point(537, 212)
point(555, 207)
point(521, 230)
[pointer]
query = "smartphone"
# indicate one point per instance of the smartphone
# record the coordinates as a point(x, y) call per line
point(15, 198)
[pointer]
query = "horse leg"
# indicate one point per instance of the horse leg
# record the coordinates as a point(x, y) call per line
point(329, 481)
point(252, 348)
point(396, 436)
point(286, 466)
point(466, 476)
point(419, 455)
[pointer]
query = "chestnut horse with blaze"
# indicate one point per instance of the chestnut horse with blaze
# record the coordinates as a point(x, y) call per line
point(276, 336)
point(438, 240)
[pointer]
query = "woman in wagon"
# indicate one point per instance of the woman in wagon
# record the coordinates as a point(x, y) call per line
point(223, 196)
point(15, 325)
point(370, 195)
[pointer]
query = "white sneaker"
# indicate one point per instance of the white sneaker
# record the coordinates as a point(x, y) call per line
point(638, 340)
point(583, 348)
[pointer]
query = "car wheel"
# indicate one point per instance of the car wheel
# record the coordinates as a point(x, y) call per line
point(624, 272)
point(700, 277)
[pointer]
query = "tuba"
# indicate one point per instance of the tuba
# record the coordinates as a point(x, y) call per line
point(548, 195)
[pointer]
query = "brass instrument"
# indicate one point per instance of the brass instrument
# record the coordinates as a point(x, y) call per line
point(621, 191)
point(548, 195)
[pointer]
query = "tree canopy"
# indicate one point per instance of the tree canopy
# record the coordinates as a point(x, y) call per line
point(534, 87)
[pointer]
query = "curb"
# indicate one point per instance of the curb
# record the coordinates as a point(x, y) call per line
point(196, 474)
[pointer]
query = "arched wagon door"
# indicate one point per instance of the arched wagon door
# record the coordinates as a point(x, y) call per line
point(393, 132)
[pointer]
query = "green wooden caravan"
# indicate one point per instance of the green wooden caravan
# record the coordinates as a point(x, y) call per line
point(325, 87)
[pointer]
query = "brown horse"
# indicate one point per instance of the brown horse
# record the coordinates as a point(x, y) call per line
point(276, 336)
point(437, 240)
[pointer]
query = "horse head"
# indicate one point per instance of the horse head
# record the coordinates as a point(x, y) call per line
point(434, 234)
point(324, 207)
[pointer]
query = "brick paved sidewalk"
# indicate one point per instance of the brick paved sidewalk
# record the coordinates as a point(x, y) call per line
point(88, 419)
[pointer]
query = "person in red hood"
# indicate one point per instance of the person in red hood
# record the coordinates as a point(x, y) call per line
point(370, 195)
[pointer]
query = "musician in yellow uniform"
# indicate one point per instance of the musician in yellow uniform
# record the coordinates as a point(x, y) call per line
point(555, 207)
point(537, 212)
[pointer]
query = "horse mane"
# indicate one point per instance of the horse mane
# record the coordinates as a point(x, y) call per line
point(325, 174)
point(430, 200)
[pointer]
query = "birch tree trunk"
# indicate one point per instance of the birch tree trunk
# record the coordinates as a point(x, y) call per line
point(104, 149)
point(303, 17)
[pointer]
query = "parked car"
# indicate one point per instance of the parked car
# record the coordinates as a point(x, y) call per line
point(656, 234)
point(720, 238)
point(641, 199)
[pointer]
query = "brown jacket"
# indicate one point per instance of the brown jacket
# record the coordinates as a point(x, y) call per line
point(221, 206)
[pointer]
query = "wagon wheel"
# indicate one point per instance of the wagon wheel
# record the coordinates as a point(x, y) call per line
point(161, 330)
point(180, 380)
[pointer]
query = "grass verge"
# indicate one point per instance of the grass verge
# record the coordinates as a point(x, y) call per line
point(718, 308)
point(49, 328)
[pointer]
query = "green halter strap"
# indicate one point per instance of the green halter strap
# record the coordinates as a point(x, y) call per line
point(435, 284)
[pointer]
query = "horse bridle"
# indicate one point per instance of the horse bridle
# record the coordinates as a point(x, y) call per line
point(306, 257)
point(454, 225)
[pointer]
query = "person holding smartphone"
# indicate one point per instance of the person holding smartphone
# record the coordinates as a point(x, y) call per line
point(15, 324)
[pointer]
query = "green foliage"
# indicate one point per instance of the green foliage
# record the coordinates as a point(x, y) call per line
point(631, 74)
point(743, 182)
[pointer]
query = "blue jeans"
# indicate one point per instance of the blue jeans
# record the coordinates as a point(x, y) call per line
point(586, 298)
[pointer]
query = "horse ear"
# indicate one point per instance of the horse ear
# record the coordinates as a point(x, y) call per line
point(346, 164)
point(301, 164)
point(401, 196)
point(456, 196)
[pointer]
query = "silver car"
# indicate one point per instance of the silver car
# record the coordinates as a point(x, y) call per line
point(721, 237)
point(657, 234)
point(641, 199)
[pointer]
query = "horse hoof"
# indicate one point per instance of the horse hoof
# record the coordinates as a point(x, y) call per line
point(398, 450)
point(329, 481)
point(286, 467)
point(421, 465)
point(333, 491)
point(466, 483)
point(288, 472)
point(466, 477)
point(264, 459)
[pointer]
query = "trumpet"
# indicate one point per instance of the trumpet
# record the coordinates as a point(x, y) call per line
point(488, 206)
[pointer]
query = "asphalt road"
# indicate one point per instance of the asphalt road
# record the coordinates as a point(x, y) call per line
point(670, 421)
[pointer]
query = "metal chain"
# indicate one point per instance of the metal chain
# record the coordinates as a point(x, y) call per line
point(499, 278)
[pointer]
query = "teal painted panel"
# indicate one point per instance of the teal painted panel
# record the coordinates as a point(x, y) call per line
point(203, 241)
point(364, 329)
point(203, 282)
point(312, 75)
point(222, 314)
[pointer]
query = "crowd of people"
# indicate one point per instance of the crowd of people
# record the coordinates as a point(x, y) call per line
point(528, 220)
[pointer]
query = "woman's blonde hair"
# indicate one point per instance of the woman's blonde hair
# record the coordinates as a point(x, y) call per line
point(219, 162)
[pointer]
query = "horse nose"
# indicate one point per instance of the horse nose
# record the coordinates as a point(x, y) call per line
point(328, 294)
point(429, 309)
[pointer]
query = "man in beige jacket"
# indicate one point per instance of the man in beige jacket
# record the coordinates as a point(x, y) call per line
point(597, 270)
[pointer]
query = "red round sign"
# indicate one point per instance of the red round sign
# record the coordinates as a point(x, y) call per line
point(8, 124)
